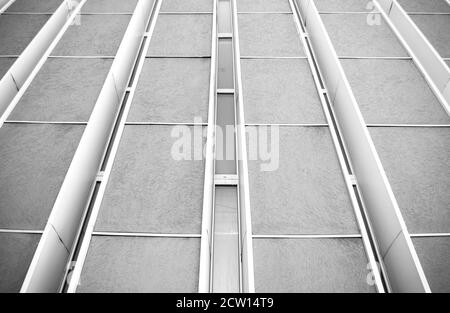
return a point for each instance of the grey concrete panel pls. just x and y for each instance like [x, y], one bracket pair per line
[434, 254]
[172, 90]
[17, 31]
[417, 163]
[269, 35]
[33, 162]
[117, 264]
[436, 29]
[448, 63]
[306, 194]
[96, 35]
[310, 265]
[344, 6]
[280, 91]
[393, 92]
[5, 64]
[41, 6]
[148, 190]
[263, 6]
[16, 253]
[108, 6]
[63, 90]
[436, 6]
[352, 35]
[182, 35]
[187, 6]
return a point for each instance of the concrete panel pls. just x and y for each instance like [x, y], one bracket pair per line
[172, 90]
[344, 6]
[5, 64]
[187, 6]
[148, 190]
[310, 265]
[393, 92]
[306, 194]
[436, 29]
[280, 91]
[434, 254]
[182, 35]
[352, 35]
[34, 161]
[16, 253]
[96, 35]
[417, 165]
[117, 264]
[63, 90]
[17, 31]
[41, 6]
[108, 6]
[435, 6]
[269, 35]
[263, 6]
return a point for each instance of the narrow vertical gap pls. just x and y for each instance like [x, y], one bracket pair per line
[81, 236]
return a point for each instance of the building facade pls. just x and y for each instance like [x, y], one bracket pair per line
[225, 146]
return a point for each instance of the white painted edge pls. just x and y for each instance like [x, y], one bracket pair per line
[204, 280]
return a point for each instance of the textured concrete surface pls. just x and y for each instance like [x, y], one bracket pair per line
[33, 162]
[393, 92]
[269, 35]
[63, 90]
[344, 6]
[117, 264]
[280, 91]
[351, 35]
[448, 63]
[148, 190]
[5, 64]
[16, 253]
[108, 6]
[187, 6]
[310, 265]
[263, 6]
[182, 35]
[434, 254]
[96, 35]
[417, 163]
[436, 6]
[172, 90]
[41, 6]
[436, 29]
[17, 31]
[306, 195]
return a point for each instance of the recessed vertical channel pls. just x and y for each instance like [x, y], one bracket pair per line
[226, 264]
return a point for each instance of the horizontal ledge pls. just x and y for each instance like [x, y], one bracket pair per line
[46, 122]
[286, 124]
[271, 57]
[375, 58]
[306, 236]
[81, 57]
[410, 125]
[20, 231]
[426, 235]
[267, 12]
[145, 235]
[178, 57]
[184, 13]
[164, 124]
[82, 13]
[428, 13]
[27, 13]
[349, 12]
